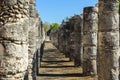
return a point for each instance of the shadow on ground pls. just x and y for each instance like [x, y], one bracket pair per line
[63, 75]
[55, 66]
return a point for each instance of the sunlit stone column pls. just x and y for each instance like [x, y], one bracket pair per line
[90, 29]
[14, 23]
[108, 40]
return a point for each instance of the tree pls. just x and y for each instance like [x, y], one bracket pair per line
[65, 20]
[54, 27]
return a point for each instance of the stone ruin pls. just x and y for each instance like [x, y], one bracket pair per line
[21, 35]
[69, 37]
[90, 31]
[92, 46]
[92, 40]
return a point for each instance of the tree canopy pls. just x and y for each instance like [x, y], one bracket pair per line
[54, 26]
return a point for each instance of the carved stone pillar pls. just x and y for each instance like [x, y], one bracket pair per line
[90, 29]
[108, 43]
[14, 23]
[33, 40]
[78, 39]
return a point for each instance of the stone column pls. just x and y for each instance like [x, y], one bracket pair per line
[71, 40]
[14, 23]
[33, 39]
[67, 36]
[108, 40]
[90, 30]
[42, 44]
[78, 39]
[119, 44]
[64, 40]
[36, 59]
[60, 42]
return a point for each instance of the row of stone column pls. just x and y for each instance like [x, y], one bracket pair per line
[69, 38]
[94, 40]
[21, 34]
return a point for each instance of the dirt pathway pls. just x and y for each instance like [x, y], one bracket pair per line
[55, 66]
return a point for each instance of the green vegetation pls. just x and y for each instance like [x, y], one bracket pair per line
[54, 27]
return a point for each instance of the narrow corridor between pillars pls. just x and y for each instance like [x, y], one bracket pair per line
[56, 66]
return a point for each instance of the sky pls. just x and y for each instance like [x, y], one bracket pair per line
[54, 11]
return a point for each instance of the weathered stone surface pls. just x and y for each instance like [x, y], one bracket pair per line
[21, 35]
[89, 59]
[87, 38]
[16, 31]
[13, 39]
[75, 50]
[54, 38]
[35, 39]
[12, 11]
[109, 38]
[33, 2]
[108, 45]
[69, 39]
[10, 2]
[13, 59]
[32, 50]
[90, 28]
[32, 11]
[2, 50]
